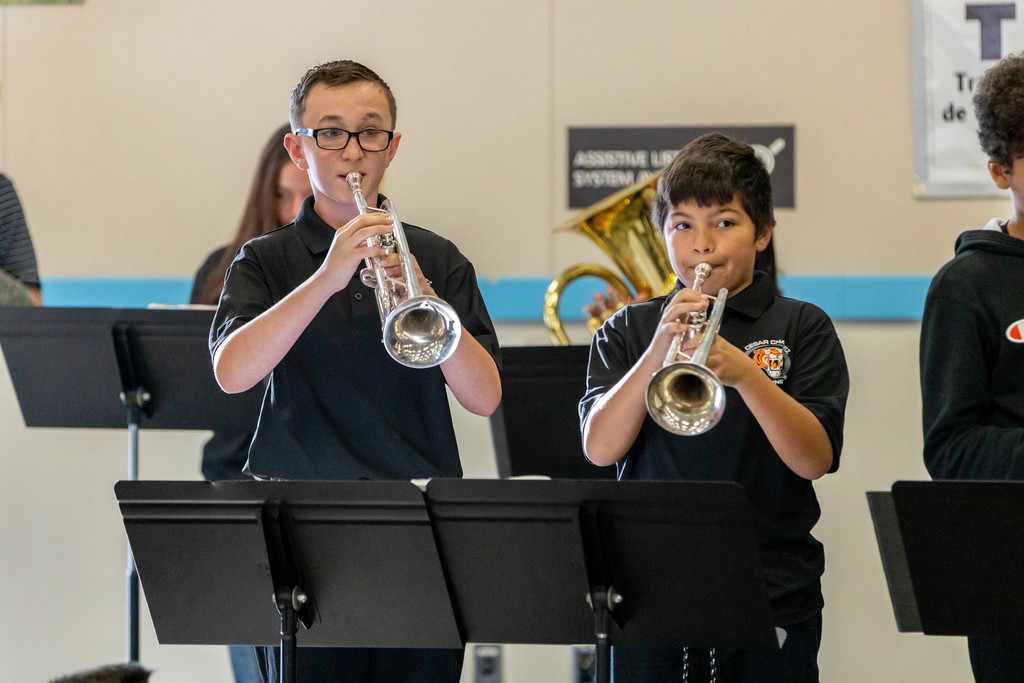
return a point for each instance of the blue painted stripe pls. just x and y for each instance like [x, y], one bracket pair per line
[115, 292]
[843, 297]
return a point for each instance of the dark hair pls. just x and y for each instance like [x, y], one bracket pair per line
[715, 169]
[999, 106]
[260, 213]
[130, 672]
[334, 74]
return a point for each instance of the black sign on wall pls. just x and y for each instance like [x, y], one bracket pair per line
[605, 160]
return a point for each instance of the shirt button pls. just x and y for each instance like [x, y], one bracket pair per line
[358, 296]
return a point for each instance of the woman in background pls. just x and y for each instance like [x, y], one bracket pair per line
[274, 200]
[277, 191]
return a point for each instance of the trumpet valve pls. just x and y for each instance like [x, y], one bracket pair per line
[368, 278]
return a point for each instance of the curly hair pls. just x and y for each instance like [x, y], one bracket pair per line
[999, 106]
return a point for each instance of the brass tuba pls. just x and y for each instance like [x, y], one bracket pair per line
[621, 225]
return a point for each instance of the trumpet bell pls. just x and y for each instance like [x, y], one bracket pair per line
[422, 332]
[685, 399]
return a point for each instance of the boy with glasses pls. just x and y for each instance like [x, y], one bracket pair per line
[293, 308]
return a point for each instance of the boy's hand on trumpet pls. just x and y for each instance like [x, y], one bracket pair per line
[349, 248]
[674, 321]
[392, 264]
[732, 366]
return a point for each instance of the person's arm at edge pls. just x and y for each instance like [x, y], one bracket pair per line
[35, 293]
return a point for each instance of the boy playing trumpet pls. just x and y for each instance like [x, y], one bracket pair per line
[293, 308]
[786, 384]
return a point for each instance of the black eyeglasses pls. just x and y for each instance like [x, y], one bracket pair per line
[370, 140]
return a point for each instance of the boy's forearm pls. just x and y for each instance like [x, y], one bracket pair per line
[615, 420]
[793, 430]
[473, 377]
[255, 349]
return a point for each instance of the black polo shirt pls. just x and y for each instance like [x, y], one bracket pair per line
[338, 406]
[796, 344]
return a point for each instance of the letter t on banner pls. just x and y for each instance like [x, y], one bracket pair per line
[955, 41]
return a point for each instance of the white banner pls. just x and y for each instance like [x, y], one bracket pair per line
[955, 41]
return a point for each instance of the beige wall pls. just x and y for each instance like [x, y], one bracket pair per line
[131, 129]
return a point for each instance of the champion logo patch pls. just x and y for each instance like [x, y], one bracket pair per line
[1015, 332]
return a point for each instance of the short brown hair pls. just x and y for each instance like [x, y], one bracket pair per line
[334, 74]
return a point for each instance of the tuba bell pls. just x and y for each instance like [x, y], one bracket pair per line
[621, 226]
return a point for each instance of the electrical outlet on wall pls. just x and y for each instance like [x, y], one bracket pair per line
[583, 663]
[487, 663]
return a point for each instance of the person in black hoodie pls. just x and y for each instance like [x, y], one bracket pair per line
[972, 338]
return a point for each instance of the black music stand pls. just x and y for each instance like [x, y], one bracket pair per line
[536, 428]
[660, 563]
[955, 567]
[355, 562]
[111, 368]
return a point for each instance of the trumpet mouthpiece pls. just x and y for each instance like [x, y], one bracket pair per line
[355, 181]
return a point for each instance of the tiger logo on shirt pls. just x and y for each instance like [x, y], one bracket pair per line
[772, 356]
[770, 360]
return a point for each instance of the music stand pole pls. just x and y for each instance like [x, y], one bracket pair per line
[603, 601]
[131, 401]
[288, 604]
[134, 398]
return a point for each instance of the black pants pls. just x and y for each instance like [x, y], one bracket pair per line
[997, 660]
[364, 665]
[795, 662]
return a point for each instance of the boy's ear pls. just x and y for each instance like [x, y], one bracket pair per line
[393, 148]
[1000, 174]
[762, 240]
[295, 151]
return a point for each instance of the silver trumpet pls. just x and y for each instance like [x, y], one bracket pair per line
[685, 397]
[420, 331]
